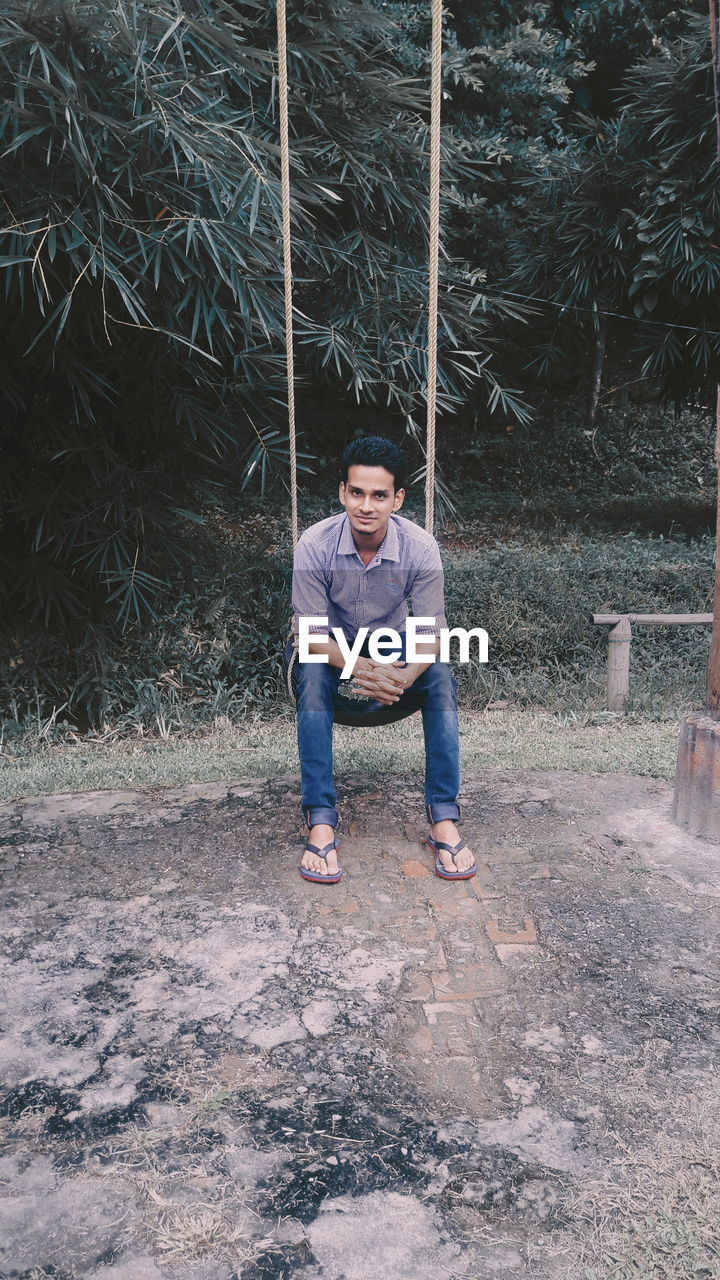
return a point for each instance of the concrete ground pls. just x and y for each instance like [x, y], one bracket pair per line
[212, 1070]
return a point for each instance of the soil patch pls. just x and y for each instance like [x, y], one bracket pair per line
[212, 1070]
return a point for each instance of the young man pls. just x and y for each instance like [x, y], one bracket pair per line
[358, 569]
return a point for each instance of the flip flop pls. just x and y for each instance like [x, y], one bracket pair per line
[321, 853]
[436, 846]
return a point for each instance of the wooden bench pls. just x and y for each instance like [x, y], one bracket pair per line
[619, 640]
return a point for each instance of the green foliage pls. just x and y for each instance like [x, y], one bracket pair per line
[142, 338]
[580, 253]
[676, 268]
[612, 36]
[217, 653]
[214, 653]
[536, 603]
[509, 77]
[516, 76]
[630, 225]
[575, 207]
[645, 469]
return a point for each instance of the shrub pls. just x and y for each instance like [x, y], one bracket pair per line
[536, 606]
[217, 652]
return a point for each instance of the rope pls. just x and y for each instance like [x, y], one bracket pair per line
[287, 258]
[434, 244]
[289, 673]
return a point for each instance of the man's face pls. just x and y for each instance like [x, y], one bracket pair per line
[369, 498]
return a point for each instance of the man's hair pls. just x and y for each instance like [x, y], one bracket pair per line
[375, 451]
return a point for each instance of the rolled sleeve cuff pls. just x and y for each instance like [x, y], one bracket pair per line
[320, 632]
[315, 629]
[433, 629]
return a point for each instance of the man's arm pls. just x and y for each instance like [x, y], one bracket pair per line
[428, 600]
[310, 600]
[309, 587]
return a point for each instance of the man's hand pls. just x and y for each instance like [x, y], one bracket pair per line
[384, 681]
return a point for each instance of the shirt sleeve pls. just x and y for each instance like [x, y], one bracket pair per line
[428, 592]
[309, 588]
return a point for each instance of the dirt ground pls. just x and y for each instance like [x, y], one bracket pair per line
[212, 1070]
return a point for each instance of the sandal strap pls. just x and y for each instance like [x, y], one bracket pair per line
[450, 848]
[321, 853]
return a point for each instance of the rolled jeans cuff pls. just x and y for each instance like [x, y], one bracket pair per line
[318, 815]
[445, 812]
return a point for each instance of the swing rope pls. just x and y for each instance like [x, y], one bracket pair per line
[433, 246]
[287, 259]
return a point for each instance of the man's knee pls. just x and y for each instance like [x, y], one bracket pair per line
[313, 683]
[438, 679]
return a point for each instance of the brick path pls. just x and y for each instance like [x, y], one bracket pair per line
[466, 935]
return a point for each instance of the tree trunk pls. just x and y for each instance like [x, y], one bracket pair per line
[714, 30]
[712, 698]
[598, 366]
[696, 803]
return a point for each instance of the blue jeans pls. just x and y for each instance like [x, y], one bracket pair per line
[319, 705]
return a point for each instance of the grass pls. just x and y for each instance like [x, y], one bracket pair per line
[507, 739]
[660, 1219]
[195, 1232]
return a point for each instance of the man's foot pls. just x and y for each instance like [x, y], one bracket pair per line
[449, 834]
[320, 836]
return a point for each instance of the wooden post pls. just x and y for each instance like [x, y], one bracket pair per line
[652, 619]
[618, 672]
[618, 676]
[696, 802]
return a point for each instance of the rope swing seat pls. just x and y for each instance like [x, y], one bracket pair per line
[357, 710]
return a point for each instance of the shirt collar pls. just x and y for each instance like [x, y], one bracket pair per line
[388, 549]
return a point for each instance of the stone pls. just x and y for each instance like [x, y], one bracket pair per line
[269, 1035]
[68, 1230]
[184, 1038]
[164, 1115]
[420, 987]
[515, 953]
[421, 1041]
[536, 1136]
[383, 1234]
[137, 1267]
[247, 1166]
[434, 1009]
[318, 1016]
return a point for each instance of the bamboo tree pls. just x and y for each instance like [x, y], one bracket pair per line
[142, 328]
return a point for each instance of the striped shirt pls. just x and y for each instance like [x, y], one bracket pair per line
[331, 581]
